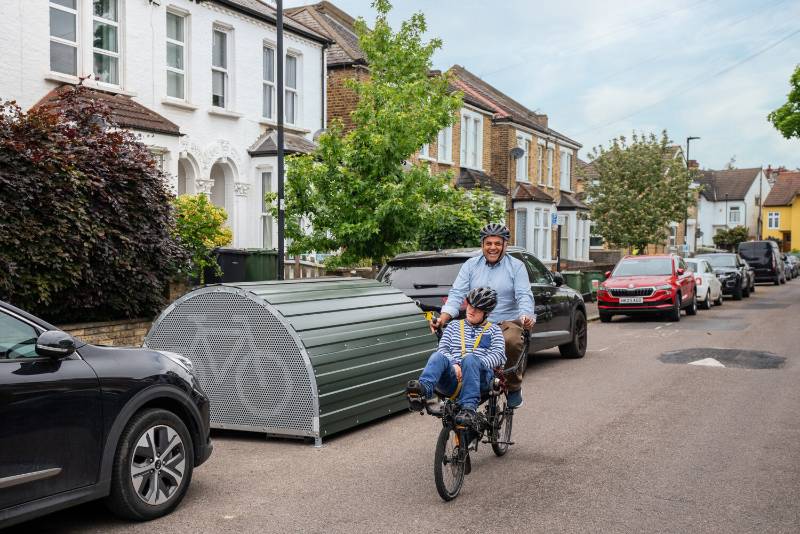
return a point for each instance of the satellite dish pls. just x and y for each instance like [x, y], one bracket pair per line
[517, 153]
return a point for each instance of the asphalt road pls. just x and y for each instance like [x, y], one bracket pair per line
[615, 442]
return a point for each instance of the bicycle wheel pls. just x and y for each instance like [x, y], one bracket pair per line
[501, 429]
[448, 468]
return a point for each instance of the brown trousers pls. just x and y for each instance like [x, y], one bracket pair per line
[512, 333]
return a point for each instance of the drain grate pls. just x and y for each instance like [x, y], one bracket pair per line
[738, 358]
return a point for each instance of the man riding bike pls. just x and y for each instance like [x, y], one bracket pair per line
[463, 364]
[515, 307]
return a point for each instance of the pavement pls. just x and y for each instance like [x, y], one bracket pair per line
[627, 439]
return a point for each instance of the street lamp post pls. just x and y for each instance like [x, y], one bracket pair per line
[281, 202]
[686, 216]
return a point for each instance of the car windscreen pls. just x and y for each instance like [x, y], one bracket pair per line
[721, 260]
[421, 274]
[644, 267]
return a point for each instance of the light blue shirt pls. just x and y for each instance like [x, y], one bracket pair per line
[508, 277]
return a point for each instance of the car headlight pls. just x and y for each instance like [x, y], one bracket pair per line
[664, 286]
[180, 359]
[724, 276]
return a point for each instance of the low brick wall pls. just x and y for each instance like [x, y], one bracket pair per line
[126, 333]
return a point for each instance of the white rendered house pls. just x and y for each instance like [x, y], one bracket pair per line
[195, 79]
[730, 198]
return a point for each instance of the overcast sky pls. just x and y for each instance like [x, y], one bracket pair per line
[706, 68]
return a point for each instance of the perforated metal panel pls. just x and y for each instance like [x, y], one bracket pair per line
[254, 370]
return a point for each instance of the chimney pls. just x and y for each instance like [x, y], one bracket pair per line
[693, 164]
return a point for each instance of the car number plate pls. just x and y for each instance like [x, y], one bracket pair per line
[631, 300]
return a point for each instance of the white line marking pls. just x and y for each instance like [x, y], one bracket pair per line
[709, 362]
[598, 350]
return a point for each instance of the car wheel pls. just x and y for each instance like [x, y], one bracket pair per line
[718, 302]
[152, 467]
[707, 302]
[577, 347]
[692, 309]
[783, 280]
[777, 280]
[746, 292]
[605, 317]
[753, 285]
[737, 293]
[675, 314]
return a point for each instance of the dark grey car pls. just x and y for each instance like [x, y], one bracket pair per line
[560, 311]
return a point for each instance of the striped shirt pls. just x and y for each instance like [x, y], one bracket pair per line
[491, 350]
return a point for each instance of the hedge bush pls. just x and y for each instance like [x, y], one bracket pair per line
[200, 226]
[85, 215]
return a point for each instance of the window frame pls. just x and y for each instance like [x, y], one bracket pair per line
[185, 46]
[523, 242]
[523, 164]
[294, 91]
[565, 178]
[776, 219]
[540, 149]
[117, 24]
[550, 157]
[266, 216]
[738, 211]
[226, 85]
[271, 84]
[476, 120]
[76, 45]
[445, 139]
[38, 330]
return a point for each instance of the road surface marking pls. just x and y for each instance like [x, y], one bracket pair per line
[708, 362]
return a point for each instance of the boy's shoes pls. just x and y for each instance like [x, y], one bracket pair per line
[515, 399]
[467, 417]
[415, 393]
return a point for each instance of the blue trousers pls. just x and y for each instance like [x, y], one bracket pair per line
[439, 374]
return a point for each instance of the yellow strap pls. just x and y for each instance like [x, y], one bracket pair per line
[477, 339]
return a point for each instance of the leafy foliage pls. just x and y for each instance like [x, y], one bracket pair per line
[357, 194]
[200, 226]
[730, 238]
[641, 187]
[85, 214]
[457, 220]
[786, 118]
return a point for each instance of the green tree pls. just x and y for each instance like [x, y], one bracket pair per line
[457, 220]
[200, 227]
[639, 189]
[356, 194]
[730, 238]
[786, 118]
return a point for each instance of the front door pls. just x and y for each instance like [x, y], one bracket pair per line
[50, 418]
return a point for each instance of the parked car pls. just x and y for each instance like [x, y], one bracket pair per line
[560, 311]
[765, 258]
[751, 273]
[658, 284]
[794, 261]
[733, 274]
[83, 422]
[787, 267]
[709, 288]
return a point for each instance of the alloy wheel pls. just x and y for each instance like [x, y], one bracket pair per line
[158, 464]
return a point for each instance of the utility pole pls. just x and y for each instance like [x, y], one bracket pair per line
[686, 216]
[281, 201]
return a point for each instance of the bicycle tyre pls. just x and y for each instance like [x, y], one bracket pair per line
[501, 429]
[449, 476]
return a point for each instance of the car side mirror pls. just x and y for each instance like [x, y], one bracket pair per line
[680, 271]
[608, 274]
[558, 279]
[55, 344]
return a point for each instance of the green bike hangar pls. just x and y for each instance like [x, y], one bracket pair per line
[304, 358]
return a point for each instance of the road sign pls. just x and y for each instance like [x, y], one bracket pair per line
[554, 219]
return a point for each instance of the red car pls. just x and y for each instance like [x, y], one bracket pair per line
[659, 284]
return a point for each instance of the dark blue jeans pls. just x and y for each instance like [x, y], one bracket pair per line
[439, 374]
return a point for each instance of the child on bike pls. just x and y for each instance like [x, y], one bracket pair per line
[462, 365]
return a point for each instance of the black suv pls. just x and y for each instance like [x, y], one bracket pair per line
[733, 273]
[80, 422]
[560, 311]
[765, 259]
